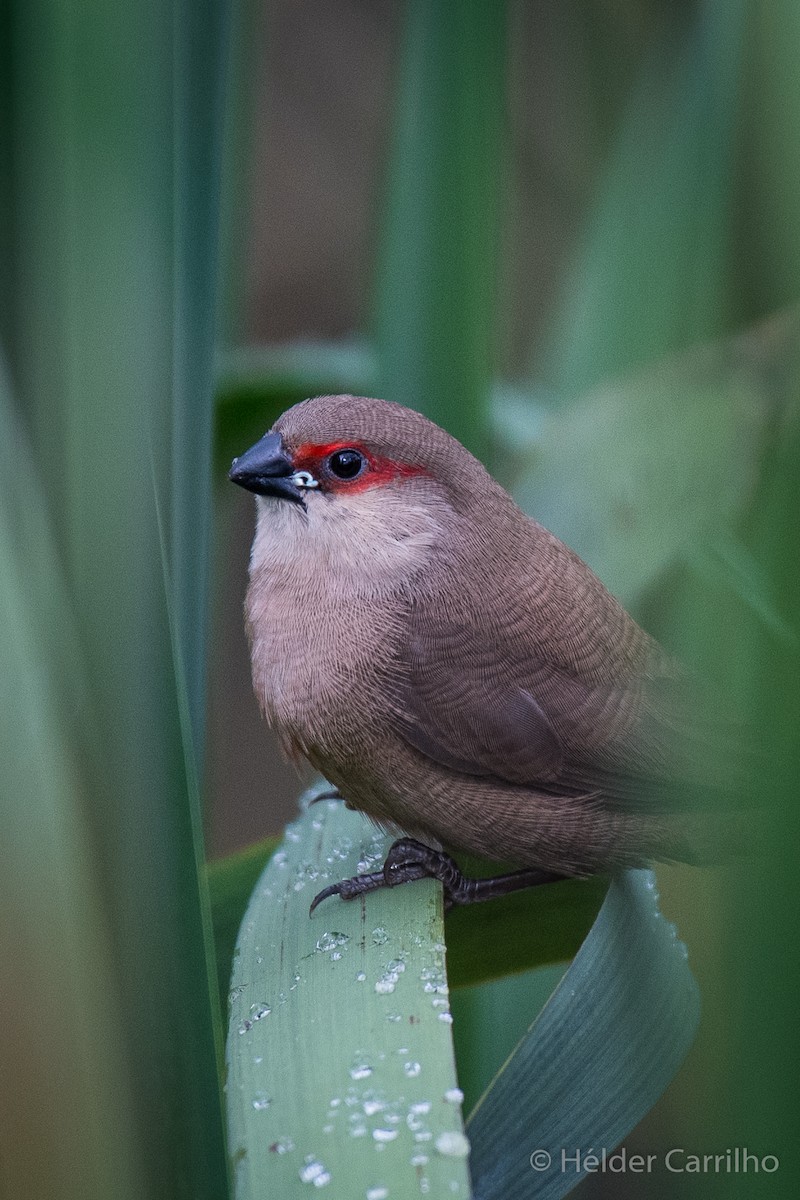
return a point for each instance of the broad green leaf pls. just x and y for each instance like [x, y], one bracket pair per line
[484, 941]
[600, 1054]
[653, 272]
[112, 188]
[437, 262]
[318, 1081]
[230, 885]
[516, 933]
[256, 384]
[200, 39]
[488, 1021]
[340, 1058]
[635, 474]
[66, 1103]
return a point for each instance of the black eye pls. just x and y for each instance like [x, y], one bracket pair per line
[346, 464]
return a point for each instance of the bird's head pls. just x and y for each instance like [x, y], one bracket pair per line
[338, 447]
[364, 479]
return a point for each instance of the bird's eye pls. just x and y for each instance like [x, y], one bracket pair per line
[346, 464]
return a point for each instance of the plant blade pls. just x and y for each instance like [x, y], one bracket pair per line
[600, 1054]
[340, 1058]
[515, 933]
[437, 267]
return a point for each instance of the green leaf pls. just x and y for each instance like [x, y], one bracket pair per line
[515, 933]
[66, 1110]
[637, 473]
[653, 272]
[437, 265]
[340, 1059]
[318, 1076]
[230, 884]
[484, 941]
[600, 1054]
[255, 385]
[112, 188]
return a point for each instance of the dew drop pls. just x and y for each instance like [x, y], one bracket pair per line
[433, 980]
[261, 1101]
[454, 1095]
[360, 1069]
[314, 1172]
[377, 1193]
[379, 936]
[329, 943]
[384, 1135]
[411, 1069]
[340, 849]
[283, 1145]
[452, 1144]
[419, 1159]
[361, 976]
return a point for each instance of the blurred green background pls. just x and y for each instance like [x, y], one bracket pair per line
[571, 233]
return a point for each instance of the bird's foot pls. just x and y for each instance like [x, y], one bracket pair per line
[409, 859]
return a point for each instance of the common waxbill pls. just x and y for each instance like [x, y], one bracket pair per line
[448, 664]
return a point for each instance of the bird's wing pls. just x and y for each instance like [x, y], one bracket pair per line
[486, 704]
[489, 702]
[459, 713]
[554, 686]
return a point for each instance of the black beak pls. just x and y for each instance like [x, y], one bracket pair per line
[267, 470]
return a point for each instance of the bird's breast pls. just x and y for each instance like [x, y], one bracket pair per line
[322, 660]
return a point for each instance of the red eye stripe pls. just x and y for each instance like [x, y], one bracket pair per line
[311, 457]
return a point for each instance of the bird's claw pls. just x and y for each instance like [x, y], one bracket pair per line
[409, 859]
[348, 889]
[331, 793]
[406, 861]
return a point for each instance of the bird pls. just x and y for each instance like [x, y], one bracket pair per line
[452, 668]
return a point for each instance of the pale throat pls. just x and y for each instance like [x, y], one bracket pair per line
[369, 542]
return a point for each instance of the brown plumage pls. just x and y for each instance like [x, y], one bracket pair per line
[452, 667]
